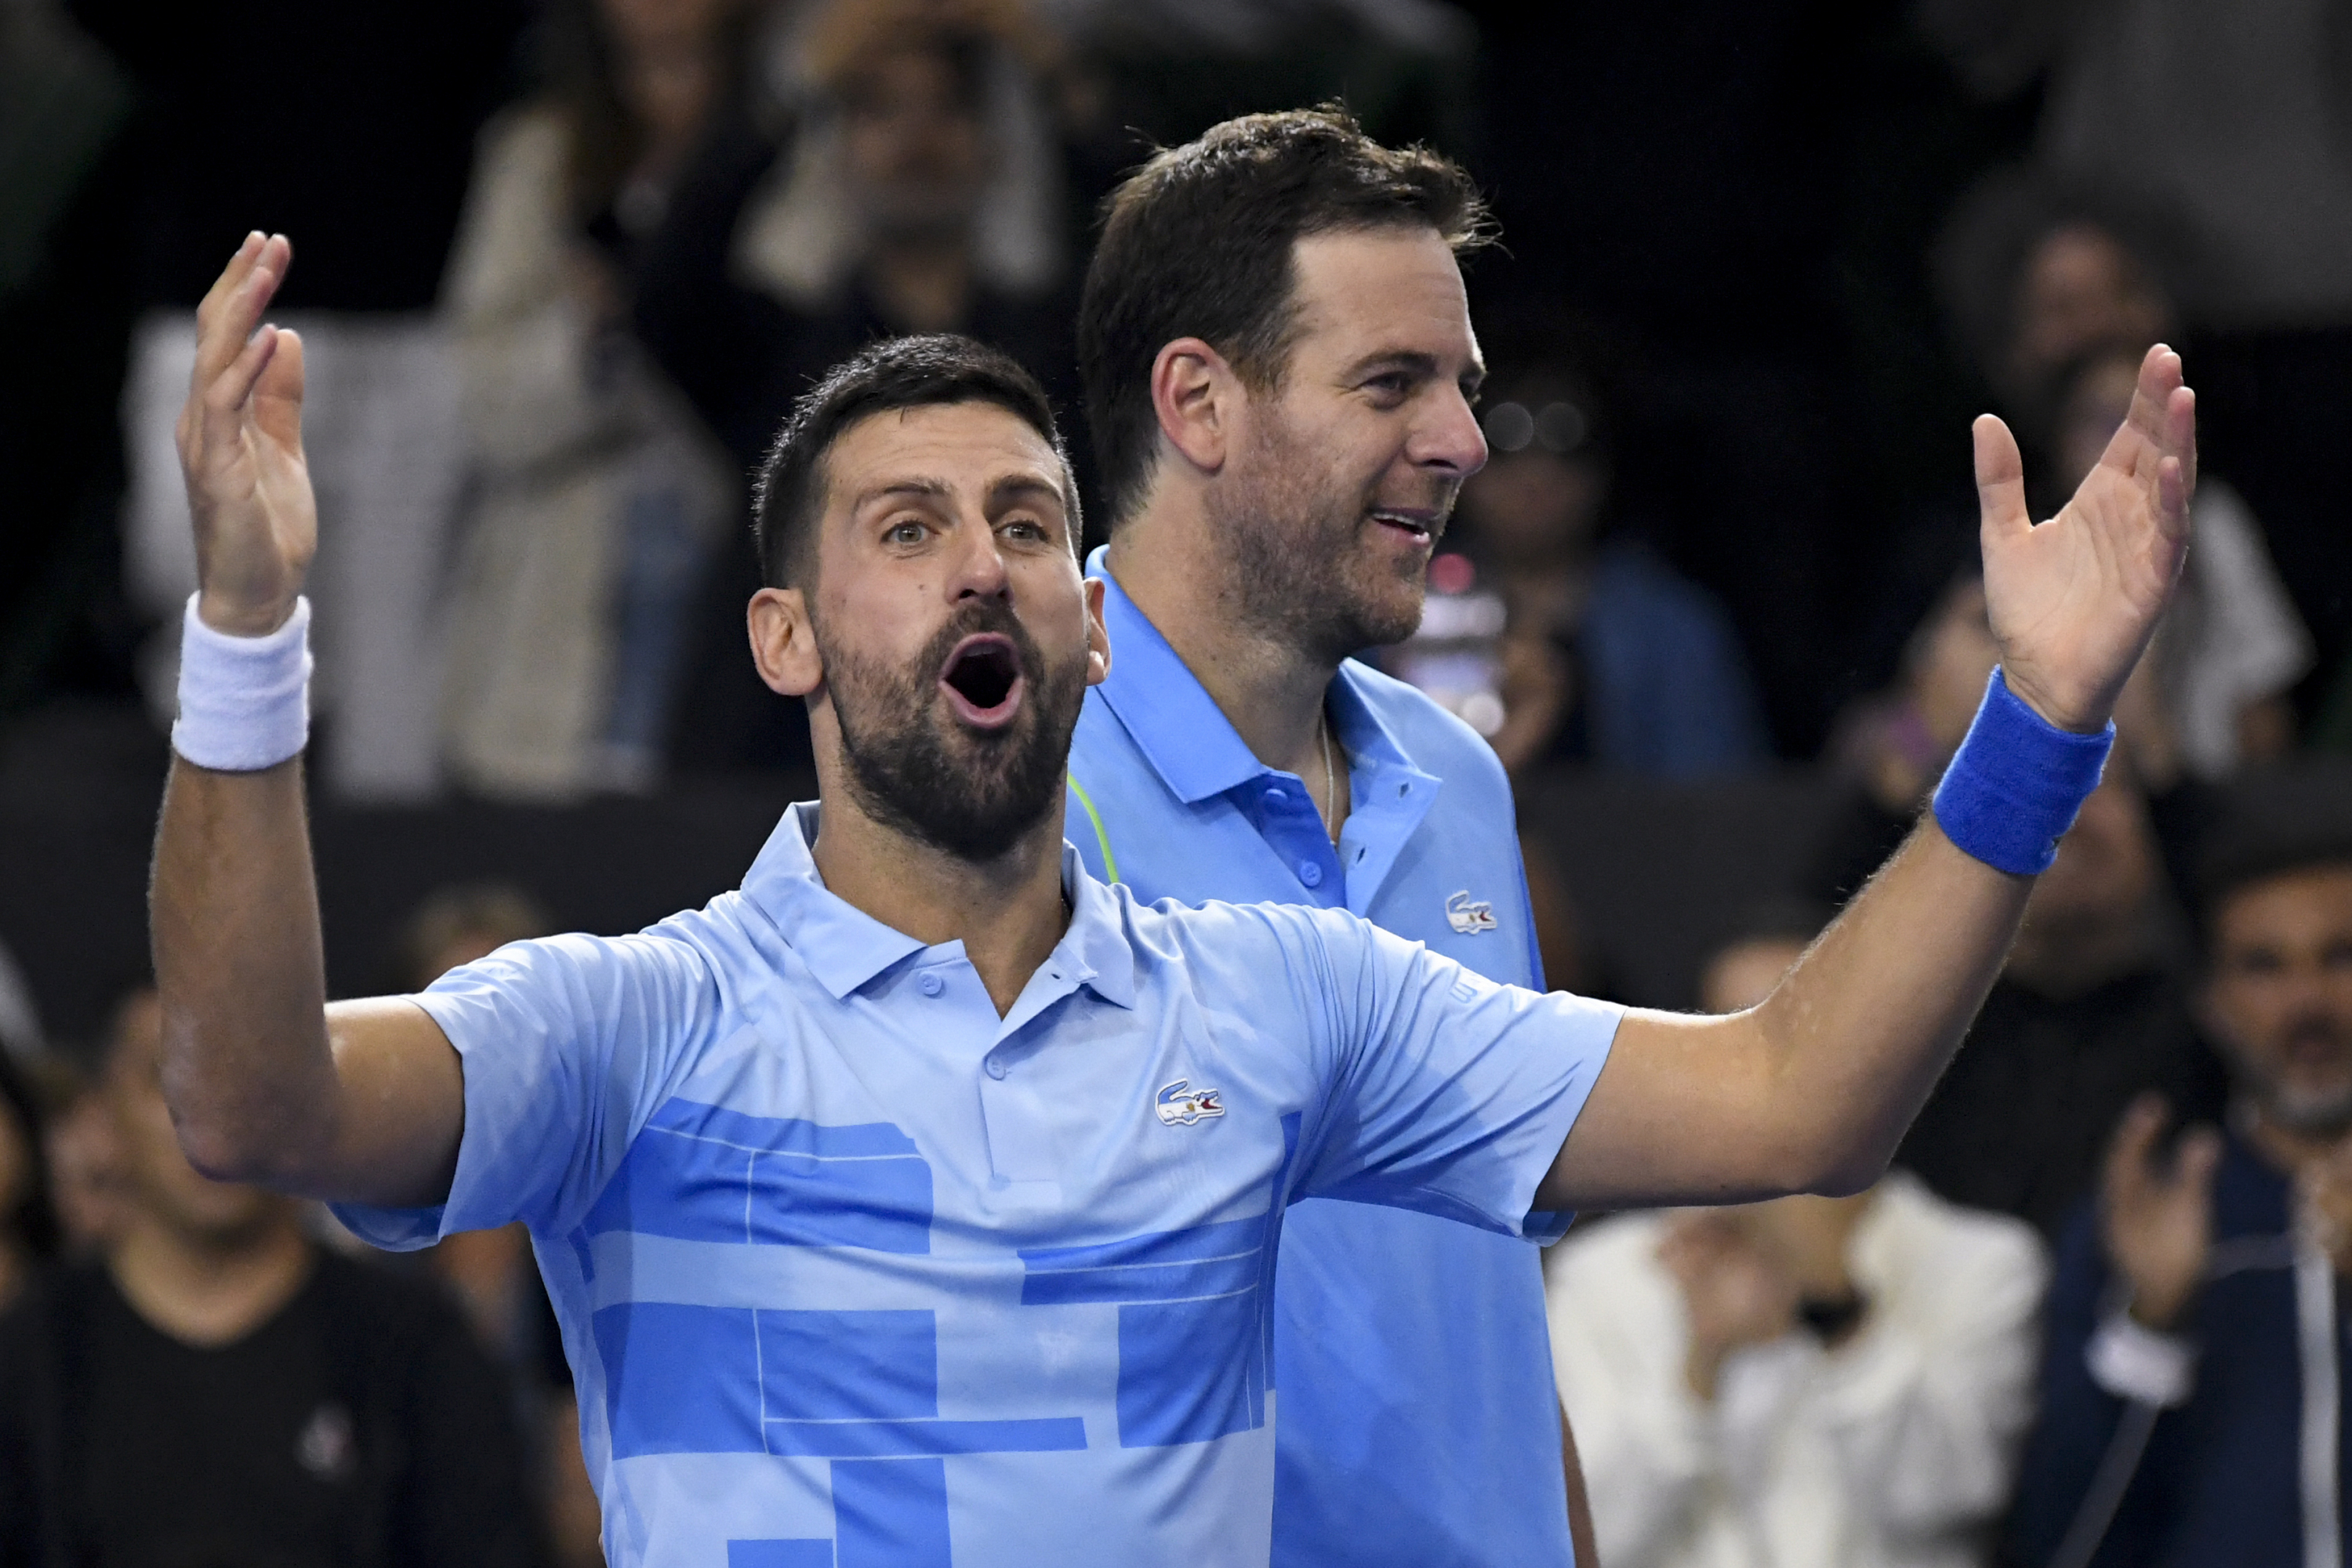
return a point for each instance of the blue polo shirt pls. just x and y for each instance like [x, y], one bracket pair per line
[1419, 1423]
[852, 1271]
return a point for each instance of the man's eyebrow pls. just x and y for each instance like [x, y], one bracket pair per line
[1013, 485]
[1419, 365]
[909, 487]
[1414, 361]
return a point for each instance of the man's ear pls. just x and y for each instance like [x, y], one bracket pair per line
[1197, 396]
[1097, 635]
[783, 642]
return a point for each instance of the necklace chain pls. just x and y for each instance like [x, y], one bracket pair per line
[1330, 777]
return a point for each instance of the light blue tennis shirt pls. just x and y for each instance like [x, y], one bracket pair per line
[852, 1271]
[1419, 1423]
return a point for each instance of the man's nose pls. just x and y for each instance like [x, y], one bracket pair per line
[979, 570]
[1448, 437]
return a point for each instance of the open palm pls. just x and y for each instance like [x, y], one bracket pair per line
[2074, 600]
[240, 438]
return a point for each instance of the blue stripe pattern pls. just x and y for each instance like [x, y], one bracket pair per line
[884, 1515]
[1191, 1361]
[702, 1172]
[737, 1380]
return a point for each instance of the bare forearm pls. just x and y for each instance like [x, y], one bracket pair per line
[235, 914]
[1812, 1090]
[1864, 1026]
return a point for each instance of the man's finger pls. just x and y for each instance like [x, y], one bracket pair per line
[231, 276]
[2147, 431]
[226, 334]
[2000, 480]
[225, 398]
[2201, 1154]
[2135, 1141]
[277, 390]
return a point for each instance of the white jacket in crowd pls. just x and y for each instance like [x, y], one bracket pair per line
[1895, 1451]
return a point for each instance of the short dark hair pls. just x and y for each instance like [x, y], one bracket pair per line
[894, 373]
[1200, 241]
[2273, 822]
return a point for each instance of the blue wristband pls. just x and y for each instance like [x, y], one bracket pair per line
[2016, 783]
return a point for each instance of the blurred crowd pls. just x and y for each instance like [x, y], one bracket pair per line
[562, 267]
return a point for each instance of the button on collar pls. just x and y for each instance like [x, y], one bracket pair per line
[931, 985]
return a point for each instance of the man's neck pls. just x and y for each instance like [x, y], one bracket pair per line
[2286, 1148]
[209, 1292]
[1270, 690]
[1009, 911]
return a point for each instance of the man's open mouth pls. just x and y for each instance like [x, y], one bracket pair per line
[1417, 525]
[982, 680]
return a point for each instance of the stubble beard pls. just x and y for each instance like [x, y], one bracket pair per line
[969, 794]
[2306, 1111]
[1295, 571]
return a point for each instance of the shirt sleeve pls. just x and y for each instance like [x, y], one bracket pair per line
[1446, 1092]
[567, 1045]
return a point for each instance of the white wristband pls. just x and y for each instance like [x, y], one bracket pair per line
[245, 702]
[2134, 1362]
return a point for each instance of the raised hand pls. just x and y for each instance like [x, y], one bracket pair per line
[240, 437]
[2074, 600]
[2157, 1215]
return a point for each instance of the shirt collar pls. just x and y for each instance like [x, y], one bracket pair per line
[1174, 722]
[844, 947]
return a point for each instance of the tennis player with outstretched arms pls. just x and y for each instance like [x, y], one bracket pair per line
[917, 1202]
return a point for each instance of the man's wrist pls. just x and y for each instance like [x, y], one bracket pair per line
[244, 702]
[2131, 1361]
[2055, 714]
[2013, 789]
[234, 619]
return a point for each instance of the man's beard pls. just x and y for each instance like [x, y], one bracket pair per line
[2298, 1108]
[971, 794]
[1293, 544]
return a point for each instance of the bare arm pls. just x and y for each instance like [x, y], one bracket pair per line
[364, 1101]
[1812, 1089]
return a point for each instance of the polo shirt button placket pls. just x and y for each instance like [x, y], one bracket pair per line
[1311, 873]
[993, 1067]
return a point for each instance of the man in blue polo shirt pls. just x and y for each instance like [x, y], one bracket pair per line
[1284, 420]
[919, 1203]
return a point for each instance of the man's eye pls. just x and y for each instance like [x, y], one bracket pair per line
[907, 533]
[1025, 527]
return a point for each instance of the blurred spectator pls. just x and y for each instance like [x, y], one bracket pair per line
[2092, 1009]
[595, 498]
[2040, 270]
[85, 1169]
[361, 158]
[1825, 1381]
[220, 1391]
[490, 1271]
[1609, 656]
[1894, 745]
[2230, 115]
[919, 192]
[2194, 1378]
[29, 1226]
[2231, 645]
[2035, 274]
